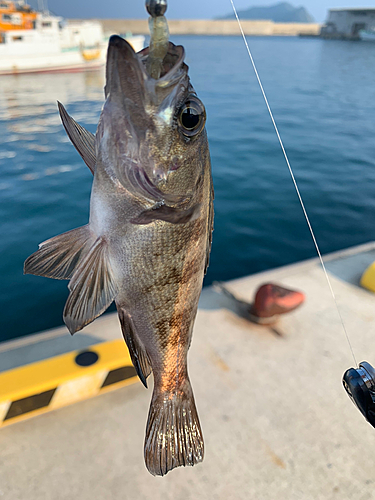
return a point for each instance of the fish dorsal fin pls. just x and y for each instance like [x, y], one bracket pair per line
[82, 139]
[137, 351]
[59, 256]
[92, 288]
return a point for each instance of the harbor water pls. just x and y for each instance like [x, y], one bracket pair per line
[323, 97]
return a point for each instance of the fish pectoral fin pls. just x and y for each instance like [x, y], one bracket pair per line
[92, 288]
[82, 139]
[137, 351]
[168, 214]
[59, 256]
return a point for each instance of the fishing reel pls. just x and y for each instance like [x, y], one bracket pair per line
[359, 383]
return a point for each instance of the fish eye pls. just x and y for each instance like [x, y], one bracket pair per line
[191, 116]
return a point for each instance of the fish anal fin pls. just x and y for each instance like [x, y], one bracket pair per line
[59, 256]
[82, 139]
[137, 351]
[92, 288]
[168, 214]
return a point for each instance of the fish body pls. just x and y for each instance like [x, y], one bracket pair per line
[148, 240]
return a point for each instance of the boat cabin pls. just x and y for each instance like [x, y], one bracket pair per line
[16, 16]
[43, 37]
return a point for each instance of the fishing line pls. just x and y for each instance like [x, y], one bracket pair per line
[294, 180]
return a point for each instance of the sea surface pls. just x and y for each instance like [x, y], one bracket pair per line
[323, 97]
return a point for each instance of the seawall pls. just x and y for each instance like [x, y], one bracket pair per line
[212, 27]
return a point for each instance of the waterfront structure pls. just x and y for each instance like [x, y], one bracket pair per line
[348, 23]
[213, 27]
[37, 41]
[16, 16]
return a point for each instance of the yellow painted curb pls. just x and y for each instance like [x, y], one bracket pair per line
[368, 278]
[62, 380]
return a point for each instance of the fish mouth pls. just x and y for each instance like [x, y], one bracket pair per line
[135, 92]
[173, 63]
[126, 69]
[124, 73]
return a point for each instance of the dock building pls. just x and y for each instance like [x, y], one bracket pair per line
[347, 23]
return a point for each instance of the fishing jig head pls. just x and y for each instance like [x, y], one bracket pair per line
[156, 8]
[359, 383]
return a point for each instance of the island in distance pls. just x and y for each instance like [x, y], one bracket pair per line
[282, 12]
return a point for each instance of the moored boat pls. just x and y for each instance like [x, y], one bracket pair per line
[33, 41]
[367, 35]
[16, 15]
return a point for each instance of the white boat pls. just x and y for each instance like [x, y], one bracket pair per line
[367, 35]
[50, 44]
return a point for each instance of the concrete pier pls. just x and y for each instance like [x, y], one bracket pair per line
[276, 420]
[212, 27]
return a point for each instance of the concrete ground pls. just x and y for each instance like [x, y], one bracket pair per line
[276, 420]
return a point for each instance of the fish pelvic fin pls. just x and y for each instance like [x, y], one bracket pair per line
[137, 351]
[173, 433]
[58, 257]
[82, 139]
[92, 288]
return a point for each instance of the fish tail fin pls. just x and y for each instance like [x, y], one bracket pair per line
[173, 434]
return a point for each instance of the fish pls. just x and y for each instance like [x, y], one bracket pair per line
[148, 240]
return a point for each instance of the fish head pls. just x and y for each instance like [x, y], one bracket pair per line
[151, 133]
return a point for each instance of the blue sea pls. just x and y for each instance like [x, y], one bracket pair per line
[323, 97]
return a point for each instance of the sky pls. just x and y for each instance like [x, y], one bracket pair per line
[187, 9]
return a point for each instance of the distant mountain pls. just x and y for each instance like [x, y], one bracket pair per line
[282, 12]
